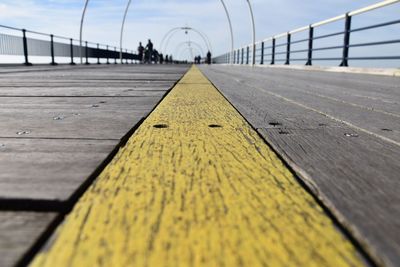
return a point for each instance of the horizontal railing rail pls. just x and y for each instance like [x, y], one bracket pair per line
[269, 51]
[27, 43]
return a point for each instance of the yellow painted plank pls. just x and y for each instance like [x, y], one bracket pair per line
[187, 194]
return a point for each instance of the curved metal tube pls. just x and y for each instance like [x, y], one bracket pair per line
[189, 43]
[122, 30]
[202, 35]
[254, 32]
[186, 49]
[231, 30]
[81, 29]
[166, 35]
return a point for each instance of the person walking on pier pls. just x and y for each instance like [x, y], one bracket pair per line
[140, 52]
[149, 48]
[209, 58]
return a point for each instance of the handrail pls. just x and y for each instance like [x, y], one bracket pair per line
[334, 19]
[241, 54]
[28, 46]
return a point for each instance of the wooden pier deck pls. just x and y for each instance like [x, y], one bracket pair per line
[58, 127]
[100, 166]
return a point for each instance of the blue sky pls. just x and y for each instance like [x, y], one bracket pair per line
[153, 18]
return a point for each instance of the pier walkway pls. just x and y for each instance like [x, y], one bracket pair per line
[176, 165]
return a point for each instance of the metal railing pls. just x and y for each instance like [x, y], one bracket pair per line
[273, 50]
[53, 46]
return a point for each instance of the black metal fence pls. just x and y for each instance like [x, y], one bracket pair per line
[22, 43]
[285, 49]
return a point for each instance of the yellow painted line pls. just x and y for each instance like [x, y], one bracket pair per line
[194, 195]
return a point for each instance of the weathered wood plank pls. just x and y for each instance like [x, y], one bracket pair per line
[70, 119]
[48, 169]
[92, 91]
[18, 232]
[77, 117]
[196, 186]
[355, 173]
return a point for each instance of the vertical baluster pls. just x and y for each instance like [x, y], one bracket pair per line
[247, 55]
[310, 46]
[273, 51]
[98, 54]
[108, 55]
[53, 62]
[346, 45]
[87, 53]
[71, 51]
[289, 38]
[262, 53]
[25, 44]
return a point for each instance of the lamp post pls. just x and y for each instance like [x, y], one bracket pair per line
[231, 30]
[254, 33]
[122, 29]
[80, 32]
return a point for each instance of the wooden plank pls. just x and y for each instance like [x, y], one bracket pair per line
[45, 169]
[196, 186]
[92, 91]
[355, 173]
[18, 232]
[77, 117]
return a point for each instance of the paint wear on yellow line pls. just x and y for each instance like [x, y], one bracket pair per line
[199, 189]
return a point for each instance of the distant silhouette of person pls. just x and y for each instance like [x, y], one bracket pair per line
[149, 48]
[161, 58]
[140, 52]
[166, 59]
[208, 57]
[156, 56]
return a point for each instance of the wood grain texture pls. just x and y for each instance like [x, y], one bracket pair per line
[196, 186]
[56, 130]
[358, 177]
[69, 120]
[48, 169]
[18, 231]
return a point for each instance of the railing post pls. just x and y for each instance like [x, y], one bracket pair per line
[98, 54]
[53, 62]
[108, 55]
[247, 55]
[238, 56]
[346, 45]
[25, 44]
[115, 55]
[289, 39]
[71, 51]
[262, 53]
[310, 46]
[87, 53]
[126, 60]
[273, 51]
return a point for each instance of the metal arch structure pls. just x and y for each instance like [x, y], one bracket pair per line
[254, 32]
[124, 19]
[189, 43]
[122, 30]
[81, 29]
[231, 31]
[186, 49]
[173, 31]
